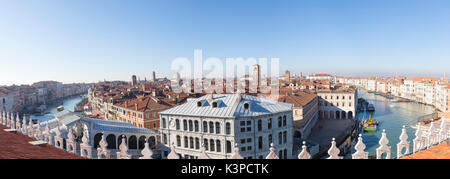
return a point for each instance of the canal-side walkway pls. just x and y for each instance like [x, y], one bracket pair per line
[325, 130]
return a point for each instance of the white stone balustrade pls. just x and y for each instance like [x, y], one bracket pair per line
[123, 153]
[360, 147]
[304, 154]
[403, 144]
[384, 148]
[272, 154]
[146, 152]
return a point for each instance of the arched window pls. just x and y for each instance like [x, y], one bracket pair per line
[280, 154]
[279, 121]
[132, 142]
[177, 124]
[211, 127]
[196, 126]
[186, 142]
[284, 120]
[199, 104]
[269, 123]
[197, 143]
[280, 138]
[211, 145]
[246, 106]
[205, 142]
[191, 127]
[228, 147]
[178, 141]
[205, 127]
[260, 142]
[285, 154]
[191, 142]
[259, 125]
[214, 104]
[218, 146]
[228, 128]
[163, 122]
[185, 126]
[284, 137]
[165, 138]
[217, 128]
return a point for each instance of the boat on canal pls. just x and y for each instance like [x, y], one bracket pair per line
[370, 125]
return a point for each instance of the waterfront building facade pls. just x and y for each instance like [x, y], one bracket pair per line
[220, 121]
[305, 112]
[337, 104]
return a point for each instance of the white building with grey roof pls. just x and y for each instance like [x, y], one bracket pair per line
[219, 121]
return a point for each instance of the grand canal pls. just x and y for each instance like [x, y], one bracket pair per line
[391, 116]
[68, 104]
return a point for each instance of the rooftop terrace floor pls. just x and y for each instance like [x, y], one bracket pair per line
[15, 146]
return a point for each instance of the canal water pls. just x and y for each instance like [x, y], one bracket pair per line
[49, 113]
[391, 116]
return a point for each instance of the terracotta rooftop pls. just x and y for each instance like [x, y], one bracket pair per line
[440, 151]
[299, 99]
[16, 146]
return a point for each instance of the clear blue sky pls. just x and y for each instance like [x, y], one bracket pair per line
[92, 40]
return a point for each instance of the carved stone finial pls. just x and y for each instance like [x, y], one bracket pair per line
[173, 154]
[333, 152]
[403, 143]
[304, 154]
[272, 154]
[236, 154]
[103, 144]
[146, 152]
[359, 147]
[384, 148]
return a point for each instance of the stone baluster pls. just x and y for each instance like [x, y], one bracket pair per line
[443, 131]
[38, 132]
[146, 152]
[8, 120]
[173, 154]
[3, 118]
[237, 154]
[103, 148]
[85, 147]
[30, 127]
[123, 150]
[12, 123]
[70, 142]
[431, 134]
[24, 126]
[47, 134]
[384, 148]
[272, 154]
[304, 154]
[418, 142]
[18, 123]
[58, 138]
[403, 144]
[360, 147]
[204, 155]
[333, 152]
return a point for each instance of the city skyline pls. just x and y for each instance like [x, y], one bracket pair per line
[86, 41]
